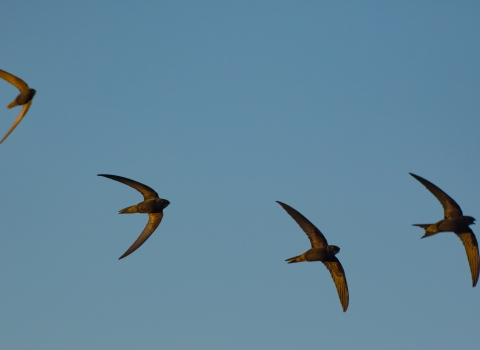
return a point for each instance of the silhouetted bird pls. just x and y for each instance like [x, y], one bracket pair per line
[320, 251]
[153, 205]
[24, 98]
[454, 221]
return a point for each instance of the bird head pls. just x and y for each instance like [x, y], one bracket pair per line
[470, 220]
[165, 203]
[31, 93]
[333, 249]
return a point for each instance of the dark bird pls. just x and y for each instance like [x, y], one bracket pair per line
[24, 98]
[454, 221]
[153, 205]
[320, 251]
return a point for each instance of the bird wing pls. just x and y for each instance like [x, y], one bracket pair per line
[317, 239]
[154, 220]
[24, 111]
[147, 192]
[338, 275]
[471, 248]
[15, 81]
[450, 207]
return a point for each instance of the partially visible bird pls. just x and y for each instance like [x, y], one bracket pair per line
[320, 251]
[456, 222]
[24, 98]
[153, 205]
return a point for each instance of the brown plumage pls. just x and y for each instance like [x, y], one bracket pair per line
[153, 205]
[320, 251]
[454, 221]
[24, 98]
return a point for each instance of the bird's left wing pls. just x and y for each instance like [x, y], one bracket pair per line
[338, 275]
[154, 220]
[24, 111]
[471, 248]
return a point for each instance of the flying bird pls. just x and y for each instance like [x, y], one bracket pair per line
[456, 222]
[320, 251]
[153, 205]
[24, 98]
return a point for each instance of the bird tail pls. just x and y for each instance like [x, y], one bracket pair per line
[296, 259]
[129, 210]
[422, 225]
[12, 104]
[428, 232]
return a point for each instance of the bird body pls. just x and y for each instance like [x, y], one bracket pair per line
[447, 225]
[317, 254]
[155, 205]
[22, 98]
[454, 221]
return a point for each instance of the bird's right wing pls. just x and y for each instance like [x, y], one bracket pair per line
[317, 239]
[15, 81]
[154, 220]
[471, 248]
[338, 275]
[147, 192]
[24, 111]
[450, 207]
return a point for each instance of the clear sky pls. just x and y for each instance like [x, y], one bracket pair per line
[223, 108]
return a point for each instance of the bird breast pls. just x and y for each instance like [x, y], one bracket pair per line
[453, 224]
[25, 96]
[317, 254]
[154, 205]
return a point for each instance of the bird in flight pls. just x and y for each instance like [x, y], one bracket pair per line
[320, 251]
[453, 221]
[153, 205]
[24, 98]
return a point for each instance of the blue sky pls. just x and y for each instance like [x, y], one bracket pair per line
[224, 108]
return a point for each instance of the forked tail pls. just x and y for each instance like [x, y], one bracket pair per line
[422, 225]
[12, 104]
[129, 210]
[428, 232]
[296, 259]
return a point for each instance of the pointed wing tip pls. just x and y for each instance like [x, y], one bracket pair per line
[416, 176]
[127, 253]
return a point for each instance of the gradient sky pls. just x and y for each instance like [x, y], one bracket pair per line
[223, 108]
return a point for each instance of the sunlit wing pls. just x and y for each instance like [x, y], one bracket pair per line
[451, 208]
[147, 192]
[338, 275]
[24, 111]
[15, 81]
[471, 248]
[154, 220]
[317, 239]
